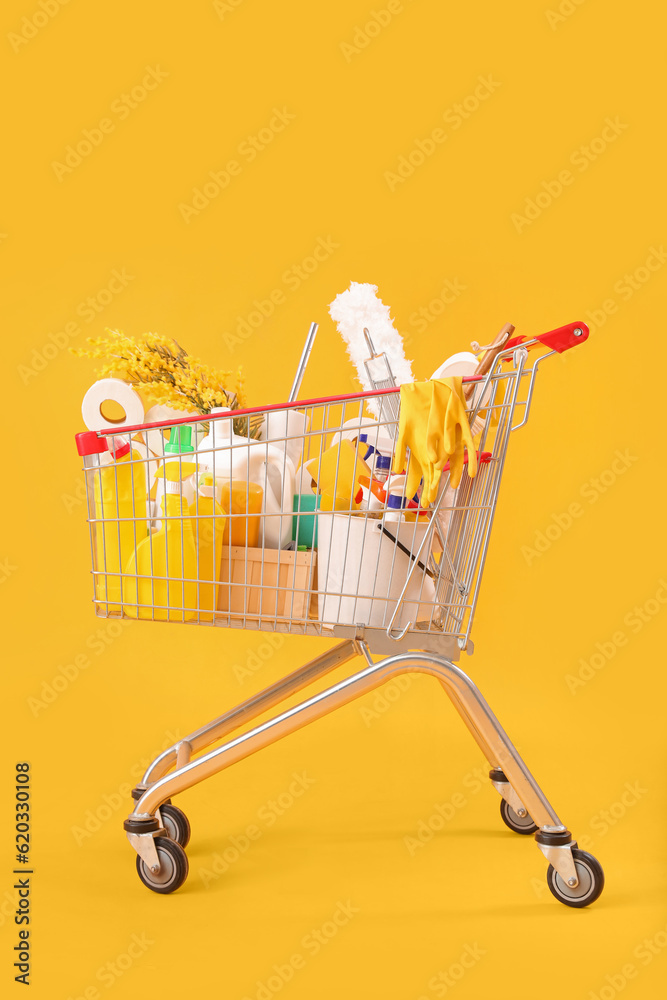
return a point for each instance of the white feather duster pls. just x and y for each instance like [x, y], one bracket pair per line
[360, 307]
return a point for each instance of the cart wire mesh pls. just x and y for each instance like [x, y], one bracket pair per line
[236, 536]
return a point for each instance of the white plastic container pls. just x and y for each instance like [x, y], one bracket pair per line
[286, 429]
[230, 456]
[361, 572]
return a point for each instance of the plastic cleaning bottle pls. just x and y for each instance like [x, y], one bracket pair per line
[179, 463]
[243, 502]
[161, 579]
[247, 465]
[400, 507]
[209, 526]
[119, 505]
[337, 473]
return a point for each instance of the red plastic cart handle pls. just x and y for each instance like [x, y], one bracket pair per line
[558, 340]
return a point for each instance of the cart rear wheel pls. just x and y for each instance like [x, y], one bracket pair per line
[176, 824]
[591, 881]
[173, 867]
[519, 824]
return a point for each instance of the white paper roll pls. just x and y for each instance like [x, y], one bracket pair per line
[111, 389]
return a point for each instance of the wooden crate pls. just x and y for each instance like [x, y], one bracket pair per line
[266, 583]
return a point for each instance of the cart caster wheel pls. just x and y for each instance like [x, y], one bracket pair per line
[591, 881]
[519, 824]
[176, 824]
[173, 867]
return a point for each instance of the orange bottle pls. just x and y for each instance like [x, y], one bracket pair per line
[243, 502]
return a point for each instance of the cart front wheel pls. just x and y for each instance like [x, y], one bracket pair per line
[176, 824]
[519, 824]
[591, 881]
[173, 867]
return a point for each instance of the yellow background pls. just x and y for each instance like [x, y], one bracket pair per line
[376, 776]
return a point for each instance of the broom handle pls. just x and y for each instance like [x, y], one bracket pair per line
[490, 356]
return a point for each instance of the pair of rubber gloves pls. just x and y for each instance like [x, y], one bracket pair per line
[433, 424]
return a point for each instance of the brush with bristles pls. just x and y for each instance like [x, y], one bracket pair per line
[364, 323]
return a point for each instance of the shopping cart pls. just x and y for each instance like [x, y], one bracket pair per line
[404, 586]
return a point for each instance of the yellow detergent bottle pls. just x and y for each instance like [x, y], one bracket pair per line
[337, 474]
[209, 525]
[161, 578]
[119, 490]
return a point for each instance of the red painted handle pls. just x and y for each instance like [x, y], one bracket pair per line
[559, 340]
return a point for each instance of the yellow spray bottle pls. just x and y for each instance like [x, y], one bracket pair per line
[179, 461]
[209, 525]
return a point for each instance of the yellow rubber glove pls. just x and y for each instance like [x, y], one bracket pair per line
[433, 424]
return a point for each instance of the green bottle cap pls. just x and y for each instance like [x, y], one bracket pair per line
[180, 440]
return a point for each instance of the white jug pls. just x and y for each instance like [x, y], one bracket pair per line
[231, 456]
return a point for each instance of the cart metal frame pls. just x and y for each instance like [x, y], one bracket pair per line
[158, 831]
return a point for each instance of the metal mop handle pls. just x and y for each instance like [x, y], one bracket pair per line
[298, 378]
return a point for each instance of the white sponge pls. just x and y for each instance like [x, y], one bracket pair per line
[360, 307]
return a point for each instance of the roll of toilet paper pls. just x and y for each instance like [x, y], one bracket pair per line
[111, 390]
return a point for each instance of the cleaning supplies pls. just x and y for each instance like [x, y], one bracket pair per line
[337, 474]
[434, 426]
[374, 494]
[304, 522]
[243, 502]
[119, 500]
[179, 463]
[355, 309]
[161, 575]
[233, 458]
[209, 526]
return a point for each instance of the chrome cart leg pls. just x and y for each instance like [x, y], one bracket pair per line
[180, 753]
[574, 877]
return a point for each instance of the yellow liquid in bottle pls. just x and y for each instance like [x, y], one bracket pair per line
[243, 502]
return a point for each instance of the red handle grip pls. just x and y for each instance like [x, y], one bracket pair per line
[559, 340]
